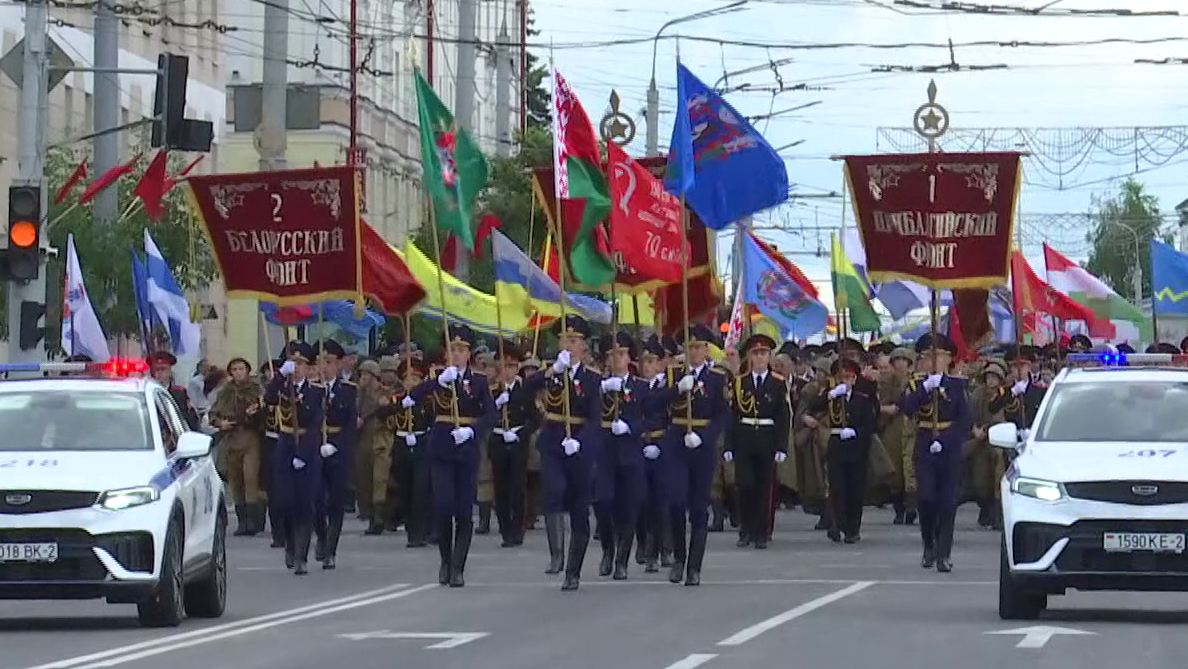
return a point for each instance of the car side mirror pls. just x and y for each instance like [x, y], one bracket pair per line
[192, 445]
[1004, 435]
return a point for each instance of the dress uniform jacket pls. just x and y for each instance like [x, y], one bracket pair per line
[689, 471]
[342, 429]
[619, 476]
[410, 468]
[300, 411]
[509, 460]
[948, 421]
[759, 430]
[847, 459]
[1021, 409]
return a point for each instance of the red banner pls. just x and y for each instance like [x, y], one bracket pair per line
[645, 220]
[941, 219]
[289, 237]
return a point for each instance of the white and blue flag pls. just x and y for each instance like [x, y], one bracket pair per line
[168, 301]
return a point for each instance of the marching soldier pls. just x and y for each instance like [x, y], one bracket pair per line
[236, 413]
[698, 395]
[297, 462]
[898, 434]
[411, 426]
[482, 361]
[337, 451]
[507, 447]
[161, 366]
[651, 532]
[1021, 403]
[464, 412]
[758, 439]
[269, 370]
[986, 466]
[938, 401]
[532, 493]
[566, 469]
[850, 421]
[620, 480]
[373, 449]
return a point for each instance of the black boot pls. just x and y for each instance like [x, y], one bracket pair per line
[944, 540]
[677, 573]
[928, 536]
[652, 554]
[622, 551]
[243, 516]
[375, 527]
[301, 537]
[900, 511]
[484, 513]
[320, 532]
[288, 541]
[642, 530]
[333, 534]
[445, 549]
[606, 537]
[665, 541]
[462, 536]
[696, 555]
[555, 532]
[909, 513]
[577, 555]
[278, 529]
[718, 517]
[984, 511]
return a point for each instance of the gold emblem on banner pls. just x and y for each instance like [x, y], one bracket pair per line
[931, 119]
[616, 126]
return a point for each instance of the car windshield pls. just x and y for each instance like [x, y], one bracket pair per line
[58, 420]
[1150, 411]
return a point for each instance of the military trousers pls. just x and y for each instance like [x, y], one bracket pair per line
[754, 471]
[243, 449]
[373, 468]
[295, 491]
[847, 470]
[509, 472]
[411, 467]
[938, 475]
[567, 482]
[688, 475]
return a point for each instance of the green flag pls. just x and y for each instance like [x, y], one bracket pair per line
[850, 291]
[454, 169]
[586, 262]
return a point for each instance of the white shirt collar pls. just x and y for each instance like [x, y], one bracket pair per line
[759, 377]
[696, 371]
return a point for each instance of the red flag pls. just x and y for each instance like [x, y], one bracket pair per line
[79, 173]
[294, 315]
[152, 187]
[449, 254]
[1031, 295]
[973, 325]
[487, 223]
[645, 220]
[106, 179]
[386, 279]
[957, 335]
[172, 181]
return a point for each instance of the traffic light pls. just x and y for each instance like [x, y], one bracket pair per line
[32, 332]
[172, 129]
[24, 232]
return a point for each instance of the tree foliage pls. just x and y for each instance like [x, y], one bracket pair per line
[104, 248]
[1117, 221]
[539, 97]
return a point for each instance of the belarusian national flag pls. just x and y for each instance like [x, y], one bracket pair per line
[577, 175]
[453, 166]
[1111, 309]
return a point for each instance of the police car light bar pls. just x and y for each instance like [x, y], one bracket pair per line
[116, 367]
[1124, 359]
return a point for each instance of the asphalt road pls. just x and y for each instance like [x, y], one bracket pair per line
[804, 601]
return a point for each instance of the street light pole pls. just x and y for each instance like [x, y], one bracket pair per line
[653, 110]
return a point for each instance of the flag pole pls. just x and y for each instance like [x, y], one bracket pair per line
[66, 212]
[559, 241]
[407, 322]
[499, 331]
[528, 249]
[544, 264]
[685, 303]
[445, 316]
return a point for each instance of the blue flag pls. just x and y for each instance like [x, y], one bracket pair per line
[340, 313]
[144, 310]
[721, 164]
[769, 288]
[1169, 279]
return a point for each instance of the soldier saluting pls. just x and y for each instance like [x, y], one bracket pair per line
[1022, 401]
[758, 438]
[851, 417]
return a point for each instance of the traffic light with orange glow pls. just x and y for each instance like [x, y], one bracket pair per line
[24, 232]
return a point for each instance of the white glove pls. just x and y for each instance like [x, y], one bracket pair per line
[510, 437]
[328, 450]
[620, 428]
[692, 440]
[503, 398]
[462, 435]
[288, 367]
[932, 382]
[1024, 434]
[651, 451]
[298, 464]
[847, 433]
[612, 384]
[571, 445]
[410, 439]
[935, 447]
[780, 456]
[562, 362]
[728, 456]
[838, 390]
[1019, 388]
[447, 376]
[408, 402]
[686, 383]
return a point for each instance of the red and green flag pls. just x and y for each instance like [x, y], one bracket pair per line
[454, 168]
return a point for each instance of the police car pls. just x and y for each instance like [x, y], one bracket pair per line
[104, 494]
[1097, 497]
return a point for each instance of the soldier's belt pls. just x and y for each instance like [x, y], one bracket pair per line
[836, 431]
[289, 430]
[569, 420]
[687, 422]
[758, 422]
[505, 430]
[653, 435]
[414, 434]
[460, 420]
[929, 425]
[333, 429]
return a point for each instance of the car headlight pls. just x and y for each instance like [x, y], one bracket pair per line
[125, 498]
[1047, 491]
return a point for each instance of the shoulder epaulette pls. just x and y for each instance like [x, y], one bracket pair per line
[777, 376]
[317, 384]
[348, 382]
[718, 370]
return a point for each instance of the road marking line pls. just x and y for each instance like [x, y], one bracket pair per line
[755, 630]
[758, 581]
[692, 661]
[70, 663]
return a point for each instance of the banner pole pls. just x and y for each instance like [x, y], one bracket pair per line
[562, 268]
[445, 315]
[685, 303]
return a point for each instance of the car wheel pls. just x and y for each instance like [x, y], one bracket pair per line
[165, 607]
[1014, 602]
[207, 597]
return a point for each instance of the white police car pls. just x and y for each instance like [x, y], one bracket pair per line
[1097, 497]
[105, 494]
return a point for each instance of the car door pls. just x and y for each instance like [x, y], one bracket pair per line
[193, 486]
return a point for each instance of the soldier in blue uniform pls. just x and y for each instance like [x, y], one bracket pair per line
[567, 444]
[337, 451]
[620, 461]
[698, 395]
[297, 459]
[944, 420]
[651, 527]
[464, 413]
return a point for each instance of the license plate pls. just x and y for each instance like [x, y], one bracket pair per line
[1125, 542]
[28, 552]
